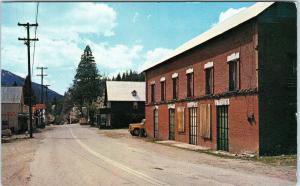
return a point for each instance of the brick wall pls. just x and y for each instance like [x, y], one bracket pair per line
[242, 40]
[243, 136]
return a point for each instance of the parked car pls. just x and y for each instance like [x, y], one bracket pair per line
[83, 121]
[6, 132]
[138, 129]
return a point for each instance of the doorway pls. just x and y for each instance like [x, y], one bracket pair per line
[193, 135]
[171, 124]
[222, 127]
[155, 123]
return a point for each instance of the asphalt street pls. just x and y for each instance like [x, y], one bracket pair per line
[81, 155]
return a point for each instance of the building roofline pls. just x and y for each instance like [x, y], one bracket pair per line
[229, 24]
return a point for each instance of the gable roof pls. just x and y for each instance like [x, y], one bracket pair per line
[11, 94]
[217, 30]
[122, 91]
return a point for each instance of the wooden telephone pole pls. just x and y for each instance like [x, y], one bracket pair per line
[42, 90]
[27, 42]
[42, 81]
[46, 86]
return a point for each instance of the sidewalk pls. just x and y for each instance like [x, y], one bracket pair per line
[200, 148]
[183, 145]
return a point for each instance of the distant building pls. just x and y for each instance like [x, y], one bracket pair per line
[13, 111]
[232, 88]
[123, 103]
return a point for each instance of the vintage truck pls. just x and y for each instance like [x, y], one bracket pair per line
[138, 129]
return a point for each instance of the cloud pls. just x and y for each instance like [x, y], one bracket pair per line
[135, 17]
[61, 43]
[227, 14]
[48, 52]
[115, 57]
[91, 18]
[57, 53]
[153, 56]
[60, 38]
[149, 16]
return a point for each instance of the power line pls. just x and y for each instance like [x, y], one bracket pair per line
[36, 17]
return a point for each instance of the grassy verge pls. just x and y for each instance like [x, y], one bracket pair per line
[283, 160]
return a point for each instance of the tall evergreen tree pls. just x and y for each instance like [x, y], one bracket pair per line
[123, 77]
[87, 84]
[118, 77]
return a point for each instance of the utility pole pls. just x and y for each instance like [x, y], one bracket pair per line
[42, 88]
[46, 86]
[47, 93]
[42, 81]
[27, 42]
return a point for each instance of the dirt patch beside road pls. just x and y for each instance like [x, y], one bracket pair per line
[16, 157]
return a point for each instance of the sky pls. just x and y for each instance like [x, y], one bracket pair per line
[122, 36]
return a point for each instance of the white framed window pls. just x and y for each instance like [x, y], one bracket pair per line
[135, 105]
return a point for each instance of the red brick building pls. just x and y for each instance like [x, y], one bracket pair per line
[232, 88]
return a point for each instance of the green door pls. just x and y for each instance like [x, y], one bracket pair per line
[222, 127]
[193, 132]
[171, 124]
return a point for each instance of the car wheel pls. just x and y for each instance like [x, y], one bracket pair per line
[136, 132]
[131, 132]
[143, 133]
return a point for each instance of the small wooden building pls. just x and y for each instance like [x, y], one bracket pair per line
[14, 113]
[123, 103]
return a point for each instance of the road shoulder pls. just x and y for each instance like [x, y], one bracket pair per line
[17, 154]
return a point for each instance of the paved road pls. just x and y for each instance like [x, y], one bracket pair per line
[80, 155]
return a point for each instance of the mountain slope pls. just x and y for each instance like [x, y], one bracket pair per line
[9, 78]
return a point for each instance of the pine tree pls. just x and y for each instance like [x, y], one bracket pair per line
[118, 77]
[123, 77]
[87, 84]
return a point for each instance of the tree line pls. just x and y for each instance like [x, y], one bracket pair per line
[129, 76]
